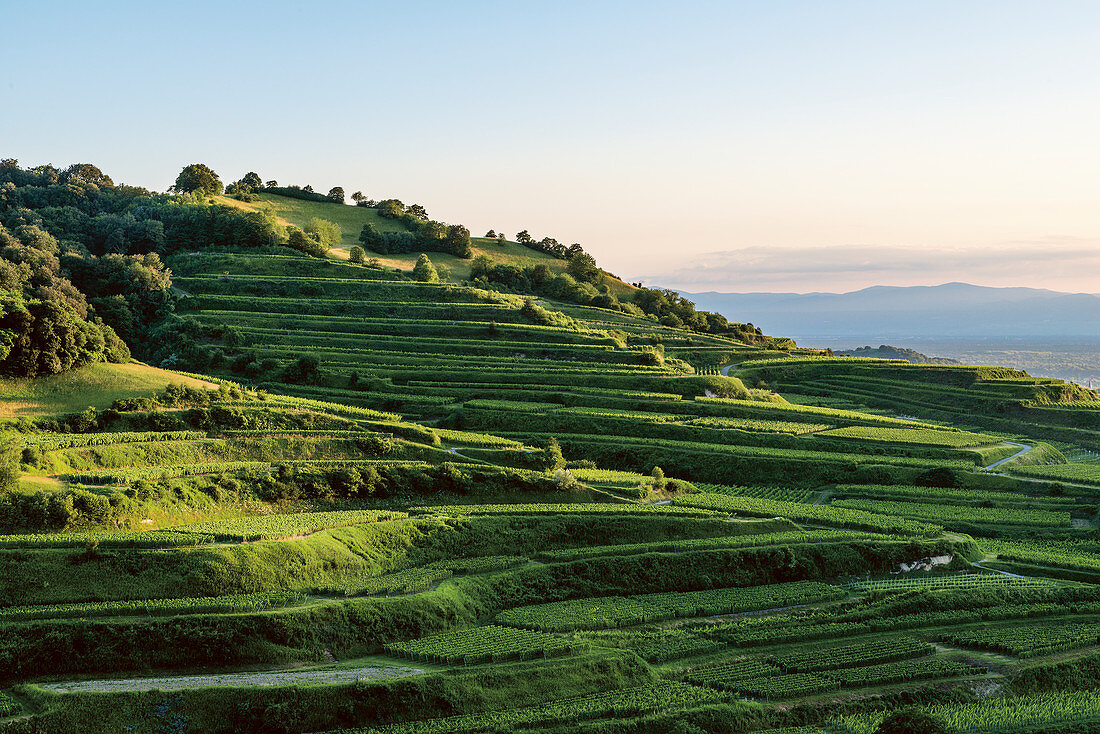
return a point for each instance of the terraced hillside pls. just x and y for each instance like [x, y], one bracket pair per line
[387, 505]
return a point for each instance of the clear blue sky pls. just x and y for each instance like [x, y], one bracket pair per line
[709, 145]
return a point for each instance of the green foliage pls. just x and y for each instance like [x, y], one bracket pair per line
[911, 721]
[117, 539]
[424, 271]
[788, 685]
[1040, 712]
[621, 703]
[756, 537]
[954, 514]
[236, 709]
[617, 611]
[9, 706]
[562, 509]
[11, 450]
[1028, 641]
[903, 671]
[483, 645]
[954, 439]
[517, 403]
[286, 526]
[197, 178]
[148, 607]
[327, 233]
[848, 656]
[834, 515]
[1070, 675]
[305, 242]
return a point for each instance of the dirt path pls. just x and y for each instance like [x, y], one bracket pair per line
[278, 678]
[1024, 448]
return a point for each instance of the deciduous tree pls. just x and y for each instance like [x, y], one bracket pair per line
[424, 271]
[198, 177]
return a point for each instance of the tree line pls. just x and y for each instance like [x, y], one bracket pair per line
[584, 283]
[81, 261]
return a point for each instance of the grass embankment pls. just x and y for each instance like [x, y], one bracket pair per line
[96, 385]
[233, 710]
[328, 557]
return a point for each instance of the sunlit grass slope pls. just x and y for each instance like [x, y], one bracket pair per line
[97, 385]
[351, 219]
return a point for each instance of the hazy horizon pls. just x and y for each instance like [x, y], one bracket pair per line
[856, 290]
[708, 146]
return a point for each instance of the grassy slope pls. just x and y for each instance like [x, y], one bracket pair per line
[352, 218]
[97, 385]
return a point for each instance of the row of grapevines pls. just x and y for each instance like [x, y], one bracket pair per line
[783, 411]
[152, 473]
[620, 611]
[756, 424]
[151, 607]
[723, 676]
[407, 581]
[820, 514]
[1086, 472]
[621, 703]
[850, 656]
[474, 439]
[480, 564]
[138, 473]
[122, 539]
[1028, 641]
[1066, 554]
[945, 514]
[590, 362]
[511, 405]
[484, 644]
[783, 494]
[692, 544]
[905, 670]
[632, 415]
[654, 646]
[764, 453]
[610, 476]
[324, 406]
[273, 527]
[953, 581]
[563, 509]
[9, 706]
[631, 393]
[790, 685]
[1010, 713]
[675, 647]
[918, 436]
[950, 496]
[749, 632]
[54, 441]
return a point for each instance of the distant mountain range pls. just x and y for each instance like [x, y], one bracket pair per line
[888, 312]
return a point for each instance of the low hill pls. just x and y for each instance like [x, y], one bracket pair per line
[352, 218]
[885, 351]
